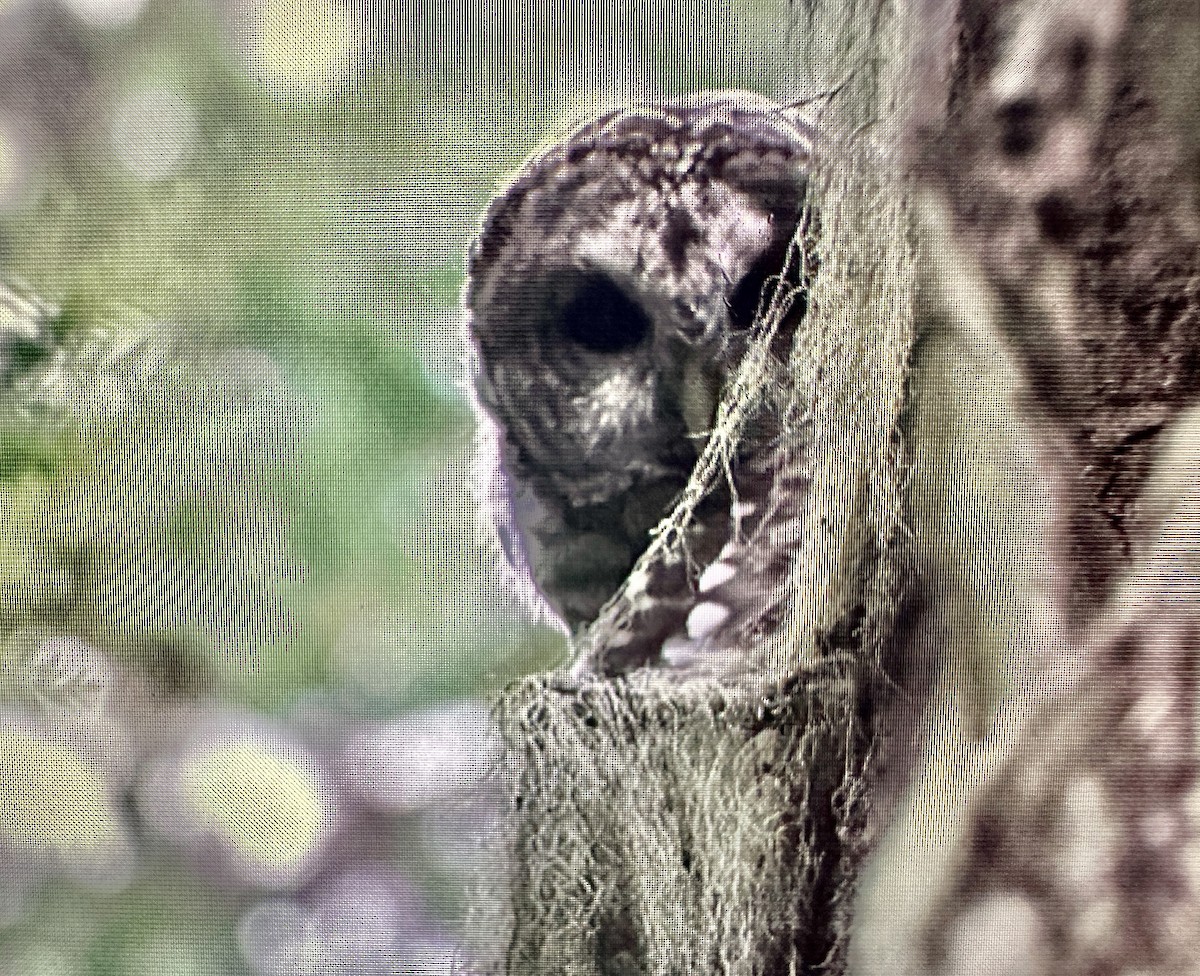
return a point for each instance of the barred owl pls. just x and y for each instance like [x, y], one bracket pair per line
[611, 293]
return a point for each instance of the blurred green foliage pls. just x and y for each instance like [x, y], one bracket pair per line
[233, 184]
[280, 196]
[162, 925]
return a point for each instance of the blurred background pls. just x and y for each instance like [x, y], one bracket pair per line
[249, 619]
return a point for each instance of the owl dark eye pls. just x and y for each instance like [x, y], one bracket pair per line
[602, 318]
[753, 289]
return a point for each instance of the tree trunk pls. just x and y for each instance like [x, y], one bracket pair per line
[666, 825]
[1066, 158]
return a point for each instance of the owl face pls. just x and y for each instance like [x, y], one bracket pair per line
[610, 294]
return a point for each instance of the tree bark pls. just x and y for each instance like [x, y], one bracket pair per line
[1066, 158]
[689, 827]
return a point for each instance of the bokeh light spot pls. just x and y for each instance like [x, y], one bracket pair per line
[51, 798]
[154, 132]
[268, 806]
[106, 13]
[305, 42]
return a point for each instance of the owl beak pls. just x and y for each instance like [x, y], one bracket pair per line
[699, 395]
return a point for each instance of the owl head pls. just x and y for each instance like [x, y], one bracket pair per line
[610, 293]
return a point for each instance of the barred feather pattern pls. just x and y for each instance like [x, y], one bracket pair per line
[741, 595]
